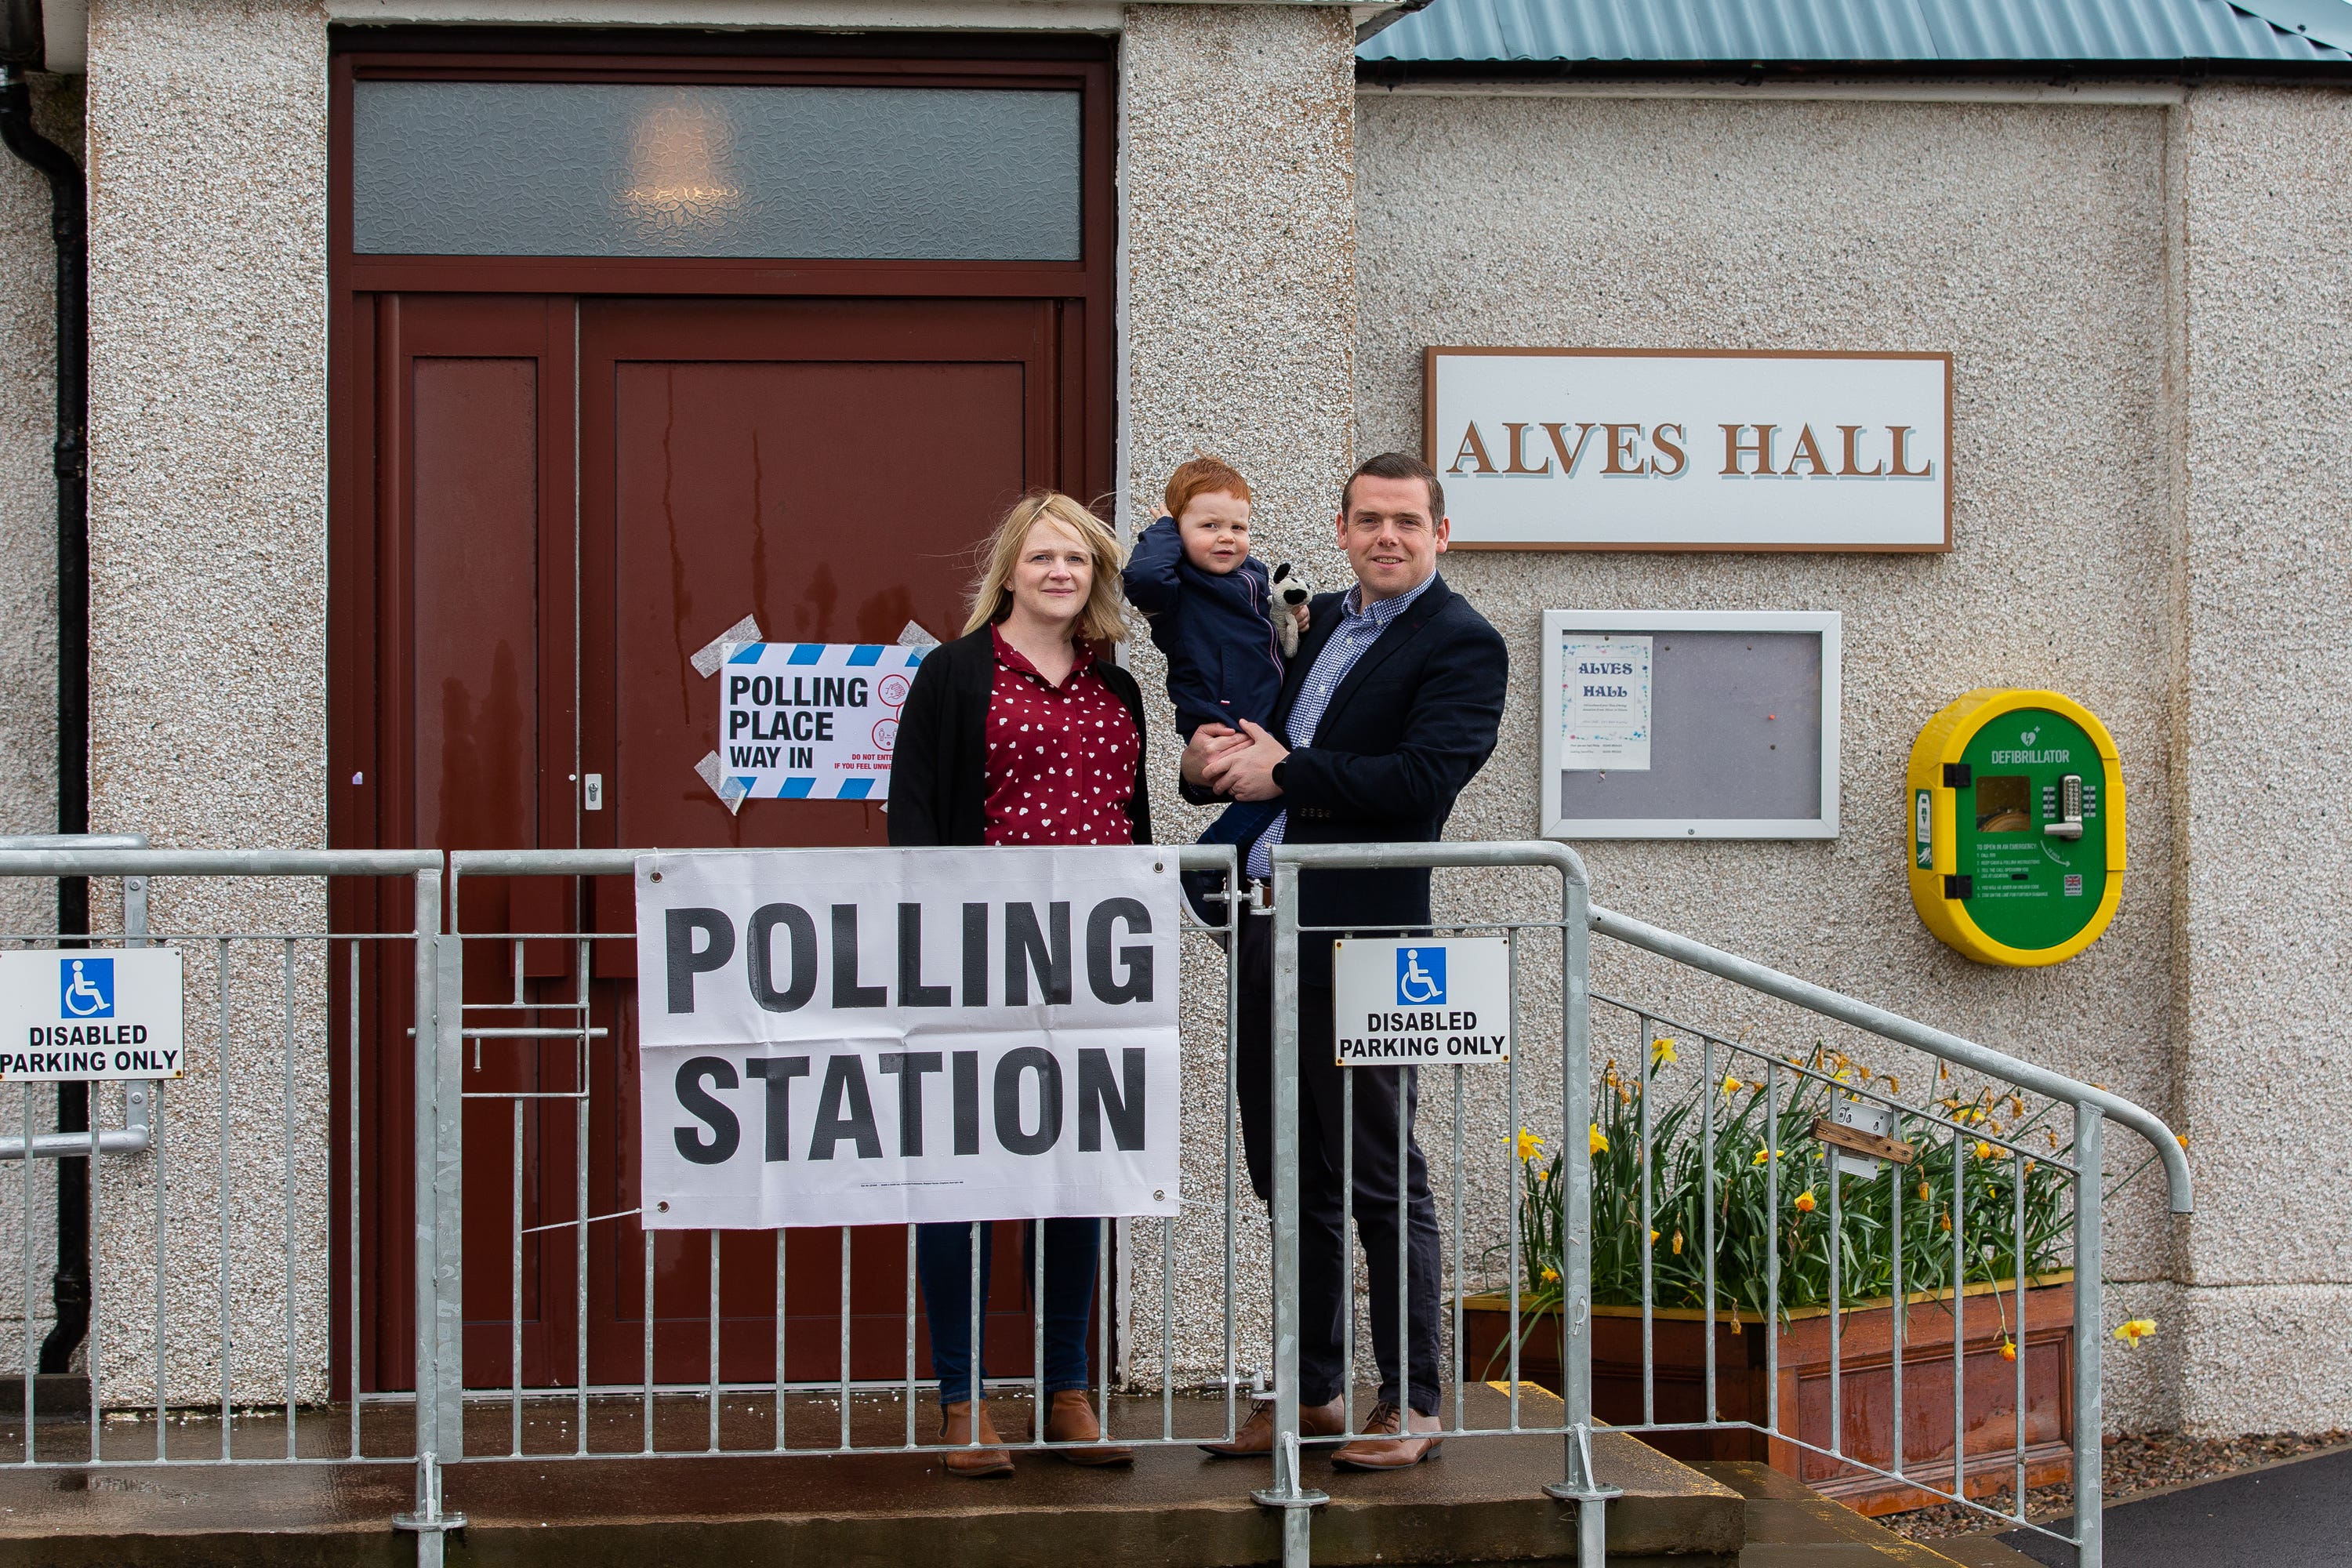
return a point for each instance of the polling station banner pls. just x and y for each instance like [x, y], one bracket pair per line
[869, 1036]
[811, 721]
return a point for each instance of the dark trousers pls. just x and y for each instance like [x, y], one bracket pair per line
[943, 1260]
[1384, 1097]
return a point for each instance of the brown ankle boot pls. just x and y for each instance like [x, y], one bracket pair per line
[1070, 1419]
[962, 1460]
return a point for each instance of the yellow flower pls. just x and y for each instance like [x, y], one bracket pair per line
[1552, 1276]
[1661, 1052]
[1805, 1201]
[2016, 1105]
[2176, 1138]
[2009, 1349]
[1528, 1143]
[1924, 1194]
[1595, 1141]
[1654, 1237]
[1624, 1097]
[2029, 1167]
[1894, 1084]
[1678, 1243]
[1945, 1222]
[1984, 1150]
[1764, 1155]
[1943, 1072]
[1732, 1085]
[2138, 1329]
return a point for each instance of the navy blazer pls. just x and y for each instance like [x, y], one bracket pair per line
[1415, 720]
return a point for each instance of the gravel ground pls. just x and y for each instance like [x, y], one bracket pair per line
[2133, 1464]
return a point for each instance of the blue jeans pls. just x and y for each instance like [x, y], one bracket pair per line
[1240, 823]
[943, 1262]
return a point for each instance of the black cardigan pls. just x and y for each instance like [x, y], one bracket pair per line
[938, 783]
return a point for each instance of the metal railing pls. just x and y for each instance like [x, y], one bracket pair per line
[508, 1023]
[1974, 1141]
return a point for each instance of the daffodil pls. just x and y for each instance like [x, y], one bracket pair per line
[1654, 1237]
[1678, 1243]
[1552, 1276]
[1595, 1141]
[2009, 1349]
[1661, 1052]
[1528, 1143]
[1945, 1223]
[1984, 1150]
[2176, 1138]
[1894, 1084]
[2137, 1330]
[1805, 1201]
[1764, 1155]
[2016, 1105]
[1924, 1194]
[1732, 1085]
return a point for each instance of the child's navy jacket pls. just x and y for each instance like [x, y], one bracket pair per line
[1223, 662]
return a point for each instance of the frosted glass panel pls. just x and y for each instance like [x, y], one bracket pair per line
[463, 168]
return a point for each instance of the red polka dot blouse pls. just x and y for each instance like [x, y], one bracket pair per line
[1061, 759]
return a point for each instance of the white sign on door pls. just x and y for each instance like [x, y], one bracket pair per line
[90, 1015]
[866, 1037]
[1398, 1000]
[1670, 450]
[811, 721]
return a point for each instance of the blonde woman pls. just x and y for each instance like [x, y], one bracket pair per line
[1015, 733]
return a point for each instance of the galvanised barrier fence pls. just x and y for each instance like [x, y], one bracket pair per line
[531, 992]
[1940, 1107]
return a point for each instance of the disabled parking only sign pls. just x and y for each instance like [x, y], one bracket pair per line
[90, 1015]
[1422, 999]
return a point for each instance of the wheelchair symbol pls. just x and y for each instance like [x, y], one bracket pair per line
[1418, 986]
[87, 993]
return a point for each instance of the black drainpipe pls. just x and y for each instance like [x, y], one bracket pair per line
[70, 1287]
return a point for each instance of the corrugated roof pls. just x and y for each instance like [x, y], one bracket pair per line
[1873, 32]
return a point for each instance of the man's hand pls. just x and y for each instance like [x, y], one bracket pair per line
[1245, 771]
[1208, 743]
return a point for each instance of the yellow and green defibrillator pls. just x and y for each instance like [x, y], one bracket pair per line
[2017, 826]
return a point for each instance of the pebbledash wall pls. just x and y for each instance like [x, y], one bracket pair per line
[2147, 291]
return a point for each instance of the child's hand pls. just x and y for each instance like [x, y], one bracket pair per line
[1300, 613]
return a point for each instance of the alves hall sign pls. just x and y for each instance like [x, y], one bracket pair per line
[1691, 449]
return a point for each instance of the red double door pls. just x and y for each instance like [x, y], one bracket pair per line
[549, 505]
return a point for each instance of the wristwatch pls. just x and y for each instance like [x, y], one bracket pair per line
[1275, 772]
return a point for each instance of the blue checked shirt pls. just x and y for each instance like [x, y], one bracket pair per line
[1358, 629]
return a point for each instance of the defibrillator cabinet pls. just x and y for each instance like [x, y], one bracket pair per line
[2017, 826]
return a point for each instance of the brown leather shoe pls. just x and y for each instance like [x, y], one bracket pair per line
[971, 1463]
[1070, 1419]
[1391, 1453]
[1255, 1438]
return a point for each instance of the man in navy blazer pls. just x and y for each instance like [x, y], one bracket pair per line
[1389, 708]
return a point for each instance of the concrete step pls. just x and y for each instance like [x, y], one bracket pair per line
[1788, 1525]
[1480, 1500]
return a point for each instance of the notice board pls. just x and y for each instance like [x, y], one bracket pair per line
[1690, 723]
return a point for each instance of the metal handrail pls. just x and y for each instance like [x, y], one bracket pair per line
[1895, 1027]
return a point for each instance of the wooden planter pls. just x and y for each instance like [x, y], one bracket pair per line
[1866, 1392]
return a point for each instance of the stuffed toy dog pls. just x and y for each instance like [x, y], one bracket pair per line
[1291, 589]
